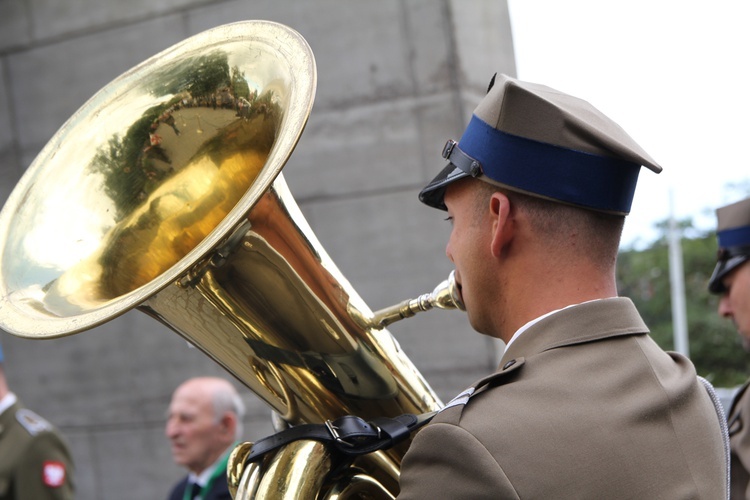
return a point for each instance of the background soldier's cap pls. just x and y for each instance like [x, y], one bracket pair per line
[733, 235]
[536, 140]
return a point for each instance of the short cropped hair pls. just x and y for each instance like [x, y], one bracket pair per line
[227, 400]
[556, 221]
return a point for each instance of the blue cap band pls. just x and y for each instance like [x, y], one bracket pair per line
[734, 237]
[576, 177]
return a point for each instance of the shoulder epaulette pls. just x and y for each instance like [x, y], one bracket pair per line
[501, 375]
[463, 398]
[32, 422]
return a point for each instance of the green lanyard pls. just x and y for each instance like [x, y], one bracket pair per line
[220, 469]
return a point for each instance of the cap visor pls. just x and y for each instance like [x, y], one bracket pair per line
[433, 193]
[715, 284]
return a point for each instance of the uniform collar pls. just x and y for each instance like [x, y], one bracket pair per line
[578, 324]
[535, 321]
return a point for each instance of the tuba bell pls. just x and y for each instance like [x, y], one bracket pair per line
[181, 211]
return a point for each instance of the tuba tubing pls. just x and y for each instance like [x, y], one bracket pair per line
[189, 220]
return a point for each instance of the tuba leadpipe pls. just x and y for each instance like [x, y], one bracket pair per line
[444, 296]
[164, 193]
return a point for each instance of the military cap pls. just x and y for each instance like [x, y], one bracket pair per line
[534, 139]
[733, 235]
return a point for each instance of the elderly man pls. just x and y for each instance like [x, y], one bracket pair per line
[203, 422]
[34, 459]
[584, 403]
[731, 280]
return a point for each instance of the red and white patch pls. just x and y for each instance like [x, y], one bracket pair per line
[53, 473]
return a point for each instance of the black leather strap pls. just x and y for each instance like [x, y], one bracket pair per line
[459, 158]
[349, 435]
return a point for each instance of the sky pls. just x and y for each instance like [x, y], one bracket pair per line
[675, 74]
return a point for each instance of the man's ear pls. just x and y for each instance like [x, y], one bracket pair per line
[228, 422]
[502, 223]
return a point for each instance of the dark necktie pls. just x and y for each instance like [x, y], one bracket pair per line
[195, 490]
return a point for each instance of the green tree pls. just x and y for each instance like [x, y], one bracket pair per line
[643, 275]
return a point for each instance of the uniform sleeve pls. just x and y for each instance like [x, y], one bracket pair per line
[46, 470]
[446, 461]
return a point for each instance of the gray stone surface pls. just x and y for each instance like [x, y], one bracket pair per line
[49, 83]
[396, 78]
[10, 169]
[15, 24]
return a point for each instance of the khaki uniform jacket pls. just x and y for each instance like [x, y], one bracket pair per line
[739, 440]
[585, 406]
[34, 460]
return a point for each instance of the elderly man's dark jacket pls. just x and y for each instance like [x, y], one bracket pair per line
[219, 490]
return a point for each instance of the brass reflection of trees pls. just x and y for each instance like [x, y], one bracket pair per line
[129, 163]
[169, 195]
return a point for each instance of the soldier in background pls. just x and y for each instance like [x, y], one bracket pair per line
[35, 462]
[731, 281]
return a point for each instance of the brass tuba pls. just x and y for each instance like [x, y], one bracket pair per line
[180, 210]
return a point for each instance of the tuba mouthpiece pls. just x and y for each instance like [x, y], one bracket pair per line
[444, 296]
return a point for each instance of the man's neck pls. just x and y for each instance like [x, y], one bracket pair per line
[202, 476]
[538, 295]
